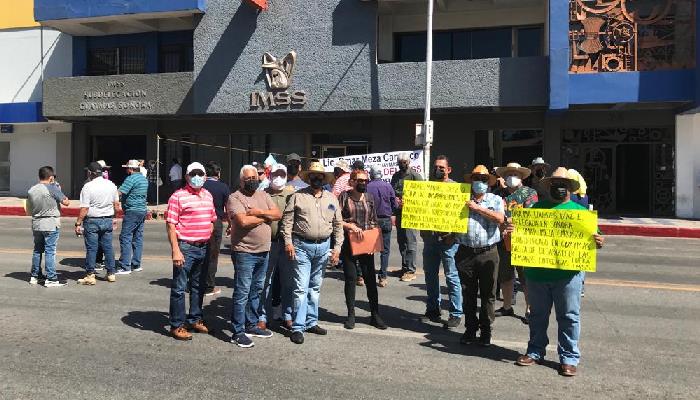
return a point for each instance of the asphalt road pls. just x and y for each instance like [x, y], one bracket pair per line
[640, 324]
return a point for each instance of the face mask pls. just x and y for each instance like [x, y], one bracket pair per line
[479, 187]
[439, 174]
[293, 169]
[361, 187]
[278, 182]
[316, 183]
[251, 186]
[513, 181]
[403, 167]
[558, 193]
[197, 181]
[539, 173]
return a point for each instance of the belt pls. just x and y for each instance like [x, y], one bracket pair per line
[381, 217]
[479, 250]
[195, 244]
[109, 216]
[312, 241]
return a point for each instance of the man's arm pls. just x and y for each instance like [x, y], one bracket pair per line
[81, 217]
[178, 258]
[497, 215]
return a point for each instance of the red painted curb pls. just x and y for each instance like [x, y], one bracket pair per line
[71, 212]
[650, 230]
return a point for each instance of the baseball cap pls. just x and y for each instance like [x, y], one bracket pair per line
[94, 167]
[195, 166]
[278, 167]
[293, 157]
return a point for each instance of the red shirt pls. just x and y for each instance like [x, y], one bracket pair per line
[192, 213]
[341, 184]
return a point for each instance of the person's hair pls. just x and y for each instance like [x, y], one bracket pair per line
[246, 168]
[175, 161]
[135, 169]
[405, 157]
[443, 157]
[45, 172]
[212, 168]
[353, 174]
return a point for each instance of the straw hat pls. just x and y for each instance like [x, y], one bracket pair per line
[342, 164]
[316, 167]
[513, 167]
[575, 175]
[130, 164]
[103, 164]
[560, 175]
[480, 170]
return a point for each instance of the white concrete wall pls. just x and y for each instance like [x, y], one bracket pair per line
[20, 69]
[688, 166]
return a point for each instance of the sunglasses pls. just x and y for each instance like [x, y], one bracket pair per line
[361, 180]
[261, 173]
[196, 173]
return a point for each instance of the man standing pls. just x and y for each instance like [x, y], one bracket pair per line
[477, 258]
[312, 215]
[407, 238]
[175, 175]
[278, 282]
[133, 193]
[189, 218]
[152, 176]
[43, 204]
[99, 201]
[439, 247]
[385, 201]
[561, 288]
[220, 193]
[341, 171]
[539, 170]
[252, 211]
[293, 170]
[515, 195]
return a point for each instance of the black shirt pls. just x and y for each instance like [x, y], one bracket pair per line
[220, 192]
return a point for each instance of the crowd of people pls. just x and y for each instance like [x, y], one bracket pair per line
[288, 222]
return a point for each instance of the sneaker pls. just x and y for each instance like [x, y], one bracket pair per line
[99, 267]
[317, 330]
[453, 322]
[383, 282]
[137, 269]
[180, 333]
[485, 339]
[212, 292]
[242, 340]
[408, 276]
[505, 312]
[360, 281]
[297, 337]
[256, 331]
[433, 316]
[468, 337]
[198, 327]
[122, 271]
[111, 278]
[33, 280]
[54, 283]
[526, 318]
[88, 280]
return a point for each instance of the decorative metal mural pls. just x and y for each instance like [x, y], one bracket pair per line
[593, 152]
[631, 35]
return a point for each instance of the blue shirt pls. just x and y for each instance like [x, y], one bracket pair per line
[297, 184]
[134, 191]
[483, 232]
[384, 197]
[220, 192]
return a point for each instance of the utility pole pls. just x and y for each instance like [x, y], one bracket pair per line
[427, 129]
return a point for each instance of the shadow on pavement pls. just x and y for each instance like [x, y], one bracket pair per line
[216, 317]
[73, 262]
[62, 274]
[165, 282]
[154, 321]
[394, 318]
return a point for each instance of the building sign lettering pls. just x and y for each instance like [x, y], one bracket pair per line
[278, 74]
[117, 97]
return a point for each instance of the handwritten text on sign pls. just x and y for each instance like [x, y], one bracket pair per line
[557, 239]
[435, 206]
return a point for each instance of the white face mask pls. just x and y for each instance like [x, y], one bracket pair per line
[513, 181]
[278, 182]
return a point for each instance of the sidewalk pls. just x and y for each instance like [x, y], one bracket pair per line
[654, 227]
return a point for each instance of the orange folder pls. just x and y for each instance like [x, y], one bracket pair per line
[370, 243]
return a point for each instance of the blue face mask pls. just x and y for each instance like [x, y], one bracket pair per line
[479, 187]
[197, 181]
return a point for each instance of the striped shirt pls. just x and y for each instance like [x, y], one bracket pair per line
[192, 213]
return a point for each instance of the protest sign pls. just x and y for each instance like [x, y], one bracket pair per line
[435, 206]
[386, 163]
[556, 239]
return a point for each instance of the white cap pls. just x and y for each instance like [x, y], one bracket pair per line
[130, 164]
[278, 167]
[194, 166]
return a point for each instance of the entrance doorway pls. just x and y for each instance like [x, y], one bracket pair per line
[633, 184]
[116, 151]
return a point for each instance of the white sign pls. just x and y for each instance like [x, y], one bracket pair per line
[386, 163]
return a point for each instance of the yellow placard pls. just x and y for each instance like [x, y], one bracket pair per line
[556, 239]
[435, 206]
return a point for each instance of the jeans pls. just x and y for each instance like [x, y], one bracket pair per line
[365, 264]
[131, 239]
[385, 226]
[478, 272]
[277, 290]
[408, 245]
[211, 262]
[248, 281]
[307, 275]
[98, 232]
[434, 253]
[45, 242]
[565, 295]
[189, 272]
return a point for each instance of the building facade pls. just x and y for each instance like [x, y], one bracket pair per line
[605, 86]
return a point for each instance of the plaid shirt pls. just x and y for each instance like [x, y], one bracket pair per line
[482, 231]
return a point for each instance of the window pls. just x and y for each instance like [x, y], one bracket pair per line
[471, 44]
[176, 58]
[117, 61]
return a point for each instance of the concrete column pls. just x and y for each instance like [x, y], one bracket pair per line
[552, 138]
[687, 165]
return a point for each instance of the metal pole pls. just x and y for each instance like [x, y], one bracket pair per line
[157, 171]
[428, 91]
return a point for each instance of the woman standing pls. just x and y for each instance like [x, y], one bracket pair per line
[359, 215]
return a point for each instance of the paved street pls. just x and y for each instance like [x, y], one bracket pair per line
[640, 320]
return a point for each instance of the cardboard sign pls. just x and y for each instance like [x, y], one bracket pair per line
[435, 206]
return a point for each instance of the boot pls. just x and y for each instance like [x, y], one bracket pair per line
[350, 322]
[377, 322]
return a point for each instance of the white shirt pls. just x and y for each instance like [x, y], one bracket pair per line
[176, 172]
[99, 195]
[143, 171]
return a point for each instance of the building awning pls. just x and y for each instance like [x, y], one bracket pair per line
[17, 113]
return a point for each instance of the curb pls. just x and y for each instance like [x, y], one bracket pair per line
[71, 212]
[650, 230]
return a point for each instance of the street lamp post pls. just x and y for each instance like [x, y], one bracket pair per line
[427, 122]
